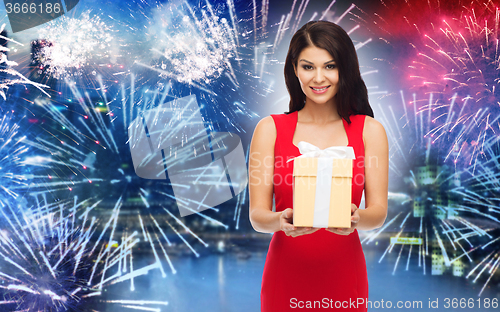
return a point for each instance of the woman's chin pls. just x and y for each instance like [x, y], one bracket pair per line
[321, 102]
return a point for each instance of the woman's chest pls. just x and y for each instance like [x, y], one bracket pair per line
[322, 136]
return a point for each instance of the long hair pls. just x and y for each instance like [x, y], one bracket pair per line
[352, 95]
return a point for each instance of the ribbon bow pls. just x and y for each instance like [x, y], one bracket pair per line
[309, 150]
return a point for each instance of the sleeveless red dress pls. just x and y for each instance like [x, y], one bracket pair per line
[319, 270]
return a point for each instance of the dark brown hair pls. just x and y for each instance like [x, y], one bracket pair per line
[352, 96]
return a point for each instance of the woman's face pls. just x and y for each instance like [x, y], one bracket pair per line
[318, 75]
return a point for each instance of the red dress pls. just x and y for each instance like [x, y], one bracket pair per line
[321, 270]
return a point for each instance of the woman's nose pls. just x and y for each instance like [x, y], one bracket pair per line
[319, 76]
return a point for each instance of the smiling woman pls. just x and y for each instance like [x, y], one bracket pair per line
[319, 81]
[328, 107]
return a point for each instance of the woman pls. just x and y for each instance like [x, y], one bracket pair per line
[318, 268]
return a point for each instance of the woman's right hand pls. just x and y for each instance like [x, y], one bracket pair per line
[286, 225]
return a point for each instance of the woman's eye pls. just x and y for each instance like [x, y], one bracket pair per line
[331, 66]
[306, 67]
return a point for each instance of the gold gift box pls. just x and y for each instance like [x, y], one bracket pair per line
[304, 192]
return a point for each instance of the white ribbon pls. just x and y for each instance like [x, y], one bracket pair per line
[309, 150]
[323, 176]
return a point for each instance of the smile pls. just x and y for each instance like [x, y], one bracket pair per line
[320, 89]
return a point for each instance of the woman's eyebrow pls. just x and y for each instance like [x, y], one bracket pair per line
[302, 60]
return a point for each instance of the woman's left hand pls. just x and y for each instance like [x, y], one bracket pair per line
[354, 223]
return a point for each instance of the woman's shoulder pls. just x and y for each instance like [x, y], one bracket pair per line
[373, 129]
[264, 136]
[275, 123]
[265, 127]
[274, 120]
[266, 122]
[372, 123]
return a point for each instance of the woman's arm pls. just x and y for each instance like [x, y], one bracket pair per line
[376, 176]
[261, 171]
[376, 181]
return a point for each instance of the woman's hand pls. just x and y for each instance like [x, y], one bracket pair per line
[286, 225]
[354, 223]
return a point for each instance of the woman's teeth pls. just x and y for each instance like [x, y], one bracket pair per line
[320, 89]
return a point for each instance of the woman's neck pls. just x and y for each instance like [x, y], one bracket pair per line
[319, 113]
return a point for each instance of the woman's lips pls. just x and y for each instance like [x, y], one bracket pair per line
[319, 90]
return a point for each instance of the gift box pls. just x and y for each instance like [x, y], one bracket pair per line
[322, 187]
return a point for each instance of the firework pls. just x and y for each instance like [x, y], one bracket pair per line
[230, 59]
[466, 67]
[9, 75]
[482, 197]
[10, 161]
[57, 257]
[232, 65]
[74, 44]
[192, 49]
[90, 143]
[20, 160]
[440, 218]
[88, 139]
[450, 119]
[454, 63]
